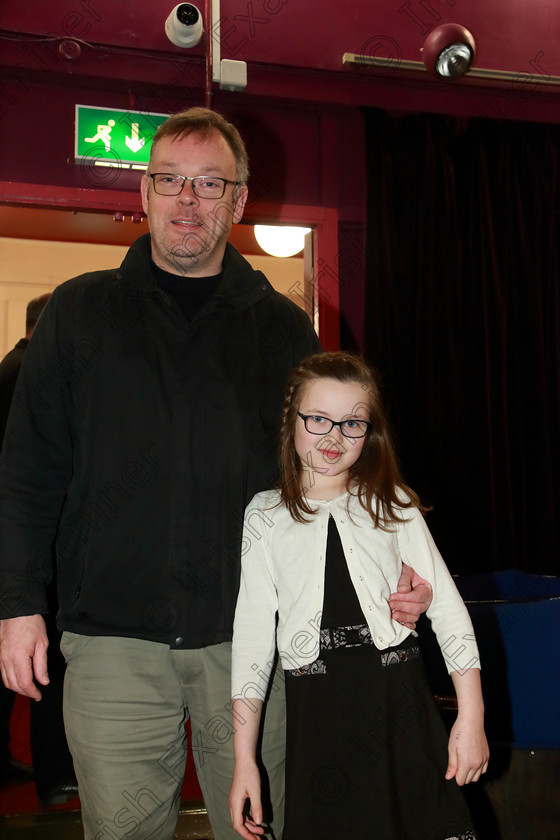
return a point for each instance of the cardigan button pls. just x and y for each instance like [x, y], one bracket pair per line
[179, 641]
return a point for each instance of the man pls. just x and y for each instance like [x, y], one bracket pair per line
[52, 763]
[11, 363]
[158, 389]
[12, 771]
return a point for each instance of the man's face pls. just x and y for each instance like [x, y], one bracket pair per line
[189, 234]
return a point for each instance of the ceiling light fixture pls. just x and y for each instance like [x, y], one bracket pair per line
[280, 240]
[449, 51]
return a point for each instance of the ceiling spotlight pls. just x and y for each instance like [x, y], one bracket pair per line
[449, 51]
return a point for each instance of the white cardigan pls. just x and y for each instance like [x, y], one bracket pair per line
[283, 570]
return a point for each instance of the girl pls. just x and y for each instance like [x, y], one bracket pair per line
[367, 754]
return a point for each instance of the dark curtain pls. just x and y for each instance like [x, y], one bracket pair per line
[463, 324]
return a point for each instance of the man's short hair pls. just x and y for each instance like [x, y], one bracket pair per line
[34, 309]
[203, 122]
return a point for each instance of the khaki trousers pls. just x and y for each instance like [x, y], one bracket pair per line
[126, 702]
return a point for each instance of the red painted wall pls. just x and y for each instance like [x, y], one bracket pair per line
[300, 112]
[304, 34]
[121, 57]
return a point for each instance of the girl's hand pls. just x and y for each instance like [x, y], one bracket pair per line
[468, 752]
[246, 785]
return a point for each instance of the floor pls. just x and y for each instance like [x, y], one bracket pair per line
[66, 825]
[518, 800]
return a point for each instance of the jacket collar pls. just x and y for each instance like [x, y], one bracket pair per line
[240, 287]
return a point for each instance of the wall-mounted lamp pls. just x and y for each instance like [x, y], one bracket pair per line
[183, 27]
[280, 240]
[449, 51]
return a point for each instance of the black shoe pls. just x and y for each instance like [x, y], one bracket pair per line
[59, 794]
[14, 773]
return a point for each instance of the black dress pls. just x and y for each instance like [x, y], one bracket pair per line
[366, 745]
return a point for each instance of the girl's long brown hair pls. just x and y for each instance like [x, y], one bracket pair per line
[375, 477]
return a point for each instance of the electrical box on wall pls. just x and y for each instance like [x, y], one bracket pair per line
[233, 74]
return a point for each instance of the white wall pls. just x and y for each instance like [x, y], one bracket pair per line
[31, 267]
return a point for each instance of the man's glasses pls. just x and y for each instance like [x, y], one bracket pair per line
[351, 428]
[203, 186]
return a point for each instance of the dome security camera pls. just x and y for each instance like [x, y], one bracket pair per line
[183, 27]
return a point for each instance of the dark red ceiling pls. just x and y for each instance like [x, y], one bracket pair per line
[54, 54]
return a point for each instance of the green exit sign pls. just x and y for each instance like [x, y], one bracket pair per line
[113, 136]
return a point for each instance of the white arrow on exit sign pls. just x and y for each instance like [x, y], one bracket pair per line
[134, 142]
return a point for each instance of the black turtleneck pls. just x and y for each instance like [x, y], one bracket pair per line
[191, 293]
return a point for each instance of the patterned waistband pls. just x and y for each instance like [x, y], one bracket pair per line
[358, 635]
[354, 635]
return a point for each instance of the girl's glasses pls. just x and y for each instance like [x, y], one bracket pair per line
[351, 428]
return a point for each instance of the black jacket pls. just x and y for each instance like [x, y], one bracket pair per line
[134, 443]
[9, 372]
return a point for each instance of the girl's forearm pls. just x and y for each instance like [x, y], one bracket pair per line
[246, 721]
[469, 694]
[246, 784]
[468, 747]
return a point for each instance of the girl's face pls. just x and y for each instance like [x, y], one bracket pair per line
[326, 458]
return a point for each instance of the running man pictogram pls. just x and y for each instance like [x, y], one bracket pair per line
[103, 135]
